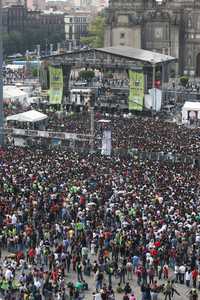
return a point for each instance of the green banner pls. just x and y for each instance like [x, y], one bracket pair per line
[56, 85]
[136, 90]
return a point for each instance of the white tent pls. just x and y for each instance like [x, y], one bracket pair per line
[13, 93]
[14, 67]
[30, 116]
[190, 112]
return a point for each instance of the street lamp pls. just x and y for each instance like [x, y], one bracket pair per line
[1, 80]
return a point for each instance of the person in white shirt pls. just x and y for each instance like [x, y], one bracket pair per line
[176, 272]
[97, 296]
[188, 278]
[8, 275]
[14, 219]
[182, 270]
[37, 283]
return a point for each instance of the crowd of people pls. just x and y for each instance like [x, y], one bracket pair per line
[144, 134]
[84, 225]
[75, 223]
[11, 76]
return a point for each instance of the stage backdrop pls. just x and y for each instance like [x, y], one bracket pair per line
[136, 90]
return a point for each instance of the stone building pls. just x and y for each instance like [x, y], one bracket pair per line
[18, 18]
[166, 26]
[76, 26]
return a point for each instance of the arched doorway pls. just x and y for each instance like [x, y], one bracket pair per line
[198, 65]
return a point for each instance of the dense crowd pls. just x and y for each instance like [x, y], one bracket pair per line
[144, 134]
[69, 219]
[11, 76]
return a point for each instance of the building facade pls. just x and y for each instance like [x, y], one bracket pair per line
[14, 18]
[18, 18]
[13, 2]
[25, 29]
[76, 26]
[36, 4]
[166, 26]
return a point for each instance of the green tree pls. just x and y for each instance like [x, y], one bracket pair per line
[86, 74]
[95, 37]
[16, 41]
[34, 72]
[184, 80]
[172, 73]
[12, 42]
[108, 74]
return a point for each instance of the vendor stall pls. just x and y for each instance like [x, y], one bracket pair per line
[191, 113]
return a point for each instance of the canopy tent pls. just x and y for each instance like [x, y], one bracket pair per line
[30, 116]
[13, 93]
[190, 112]
[14, 67]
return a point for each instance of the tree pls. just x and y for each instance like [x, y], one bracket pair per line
[108, 74]
[172, 73]
[95, 37]
[86, 74]
[17, 41]
[12, 42]
[34, 72]
[184, 80]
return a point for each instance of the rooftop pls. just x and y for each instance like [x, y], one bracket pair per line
[137, 54]
[125, 52]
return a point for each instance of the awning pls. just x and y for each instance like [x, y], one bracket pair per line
[30, 116]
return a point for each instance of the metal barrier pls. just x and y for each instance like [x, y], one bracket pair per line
[81, 143]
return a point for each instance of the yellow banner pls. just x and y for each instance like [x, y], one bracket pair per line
[136, 90]
[56, 85]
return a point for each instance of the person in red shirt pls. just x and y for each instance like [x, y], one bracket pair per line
[166, 271]
[31, 255]
[194, 277]
[82, 201]
[54, 275]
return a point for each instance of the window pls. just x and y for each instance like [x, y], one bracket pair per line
[189, 22]
[122, 35]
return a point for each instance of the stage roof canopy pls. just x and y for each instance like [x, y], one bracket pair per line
[137, 54]
[118, 52]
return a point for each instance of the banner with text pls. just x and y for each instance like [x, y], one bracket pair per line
[106, 143]
[136, 90]
[56, 85]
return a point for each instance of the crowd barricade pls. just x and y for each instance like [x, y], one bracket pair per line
[81, 143]
[161, 156]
